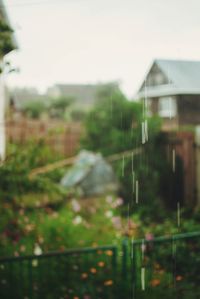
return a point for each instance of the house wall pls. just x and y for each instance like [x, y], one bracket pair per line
[189, 109]
[184, 147]
[168, 123]
[155, 77]
[2, 121]
[154, 106]
[183, 179]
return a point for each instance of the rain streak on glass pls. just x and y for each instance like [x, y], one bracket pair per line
[143, 249]
[143, 278]
[132, 241]
[137, 191]
[128, 222]
[143, 132]
[132, 162]
[123, 161]
[178, 214]
[173, 247]
[133, 173]
[144, 122]
[133, 180]
[146, 130]
[173, 160]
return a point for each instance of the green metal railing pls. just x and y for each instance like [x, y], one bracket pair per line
[167, 267]
[85, 273]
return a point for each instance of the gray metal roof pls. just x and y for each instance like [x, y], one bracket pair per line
[83, 94]
[183, 77]
[183, 73]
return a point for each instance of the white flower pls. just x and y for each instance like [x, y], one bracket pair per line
[77, 220]
[109, 214]
[37, 250]
[109, 199]
[76, 206]
[34, 263]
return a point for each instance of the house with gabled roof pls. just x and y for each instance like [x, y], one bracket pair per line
[84, 95]
[172, 91]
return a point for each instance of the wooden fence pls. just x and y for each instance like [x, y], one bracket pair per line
[182, 145]
[63, 138]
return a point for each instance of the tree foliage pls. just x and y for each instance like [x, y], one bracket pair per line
[113, 126]
[34, 108]
[6, 44]
[109, 125]
[14, 172]
[58, 106]
[55, 108]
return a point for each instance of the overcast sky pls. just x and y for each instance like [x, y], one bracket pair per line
[86, 41]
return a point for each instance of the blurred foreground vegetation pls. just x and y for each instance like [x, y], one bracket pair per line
[40, 211]
[38, 215]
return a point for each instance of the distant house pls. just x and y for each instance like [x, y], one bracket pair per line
[172, 90]
[22, 95]
[84, 95]
[5, 48]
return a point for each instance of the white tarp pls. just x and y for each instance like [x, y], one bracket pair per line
[91, 175]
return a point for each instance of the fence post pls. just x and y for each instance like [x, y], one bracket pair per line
[134, 268]
[114, 267]
[114, 259]
[124, 258]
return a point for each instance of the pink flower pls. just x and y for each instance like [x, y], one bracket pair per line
[76, 206]
[118, 202]
[149, 236]
[117, 222]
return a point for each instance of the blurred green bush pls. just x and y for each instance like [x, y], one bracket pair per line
[113, 126]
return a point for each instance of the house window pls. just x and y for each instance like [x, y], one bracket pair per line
[167, 107]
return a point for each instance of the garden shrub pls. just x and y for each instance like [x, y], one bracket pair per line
[114, 126]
